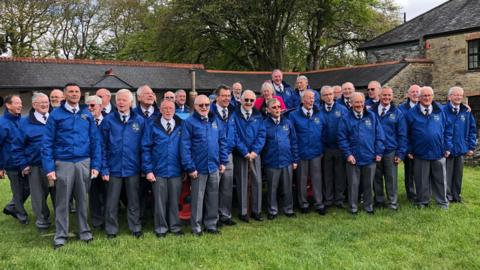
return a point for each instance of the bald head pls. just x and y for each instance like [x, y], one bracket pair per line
[347, 89]
[413, 93]
[202, 105]
[426, 96]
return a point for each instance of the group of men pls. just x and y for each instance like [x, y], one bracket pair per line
[346, 148]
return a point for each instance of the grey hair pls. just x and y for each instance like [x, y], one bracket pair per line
[377, 83]
[180, 91]
[450, 91]
[248, 91]
[355, 94]
[268, 85]
[141, 89]
[106, 90]
[272, 101]
[37, 95]
[325, 88]
[126, 91]
[93, 98]
[302, 77]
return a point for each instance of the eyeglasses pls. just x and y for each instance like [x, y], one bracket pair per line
[91, 105]
[275, 107]
[169, 97]
[249, 100]
[203, 105]
[371, 89]
[226, 96]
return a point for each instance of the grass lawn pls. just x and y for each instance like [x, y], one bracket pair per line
[408, 239]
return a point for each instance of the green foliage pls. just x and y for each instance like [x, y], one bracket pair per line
[407, 239]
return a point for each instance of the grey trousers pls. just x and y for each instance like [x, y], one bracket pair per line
[387, 173]
[454, 177]
[114, 188]
[166, 192]
[431, 177]
[97, 199]
[205, 198]
[72, 179]
[364, 175]
[39, 191]
[409, 179]
[225, 192]
[312, 168]
[240, 169]
[334, 177]
[20, 193]
[275, 178]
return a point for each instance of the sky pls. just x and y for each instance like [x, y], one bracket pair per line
[413, 8]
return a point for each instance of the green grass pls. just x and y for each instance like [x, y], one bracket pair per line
[408, 239]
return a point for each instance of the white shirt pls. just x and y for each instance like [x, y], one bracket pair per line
[150, 110]
[309, 111]
[39, 117]
[124, 114]
[108, 108]
[70, 108]
[100, 119]
[380, 108]
[278, 88]
[275, 120]
[430, 109]
[165, 121]
[220, 110]
[244, 112]
[358, 113]
[412, 104]
[455, 107]
[326, 106]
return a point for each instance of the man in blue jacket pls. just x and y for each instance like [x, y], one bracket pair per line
[162, 165]
[373, 89]
[121, 157]
[334, 176]
[223, 109]
[10, 136]
[430, 142]
[71, 156]
[360, 136]
[250, 132]
[464, 141]
[282, 88]
[309, 124]
[204, 155]
[280, 158]
[413, 95]
[32, 128]
[395, 130]
[302, 85]
[347, 90]
[181, 101]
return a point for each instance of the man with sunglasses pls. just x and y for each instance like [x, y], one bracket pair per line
[373, 90]
[203, 151]
[250, 132]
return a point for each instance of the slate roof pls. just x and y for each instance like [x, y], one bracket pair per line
[450, 17]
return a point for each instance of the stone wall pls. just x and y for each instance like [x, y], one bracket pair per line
[414, 73]
[449, 55]
[393, 53]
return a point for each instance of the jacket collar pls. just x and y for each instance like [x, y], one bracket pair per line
[11, 116]
[32, 119]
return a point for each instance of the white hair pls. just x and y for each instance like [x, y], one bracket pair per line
[325, 88]
[37, 95]
[141, 89]
[357, 94]
[450, 91]
[124, 91]
[180, 91]
[265, 85]
[94, 98]
[249, 91]
[302, 77]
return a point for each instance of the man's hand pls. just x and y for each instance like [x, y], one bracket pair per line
[378, 158]
[26, 171]
[221, 169]
[447, 154]
[470, 153]
[52, 176]
[410, 156]
[2, 174]
[193, 175]
[247, 156]
[351, 160]
[93, 173]
[151, 177]
[253, 155]
[397, 160]
[294, 166]
[106, 178]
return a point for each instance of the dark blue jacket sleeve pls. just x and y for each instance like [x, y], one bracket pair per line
[18, 149]
[343, 142]
[379, 138]
[448, 134]
[472, 133]
[260, 140]
[104, 132]
[223, 144]
[48, 144]
[95, 146]
[147, 145]
[186, 148]
[294, 144]
[402, 136]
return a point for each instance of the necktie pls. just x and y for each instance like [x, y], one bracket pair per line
[146, 113]
[425, 112]
[347, 101]
[44, 118]
[455, 110]
[359, 115]
[124, 119]
[329, 108]
[247, 115]
[383, 111]
[204, 118]
[308, 114]
[97, 121]
[224, 114]
[74, 110]
[169, 128]
[277, 121]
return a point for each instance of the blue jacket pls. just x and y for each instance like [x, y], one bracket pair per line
[161, 151]
[464, 130]
[30, 145]
[203, 145]
[309, 132]
[394, 127]
[332, 118]
[428, 136]
[363, 138]
[186, 109]
[405, 107]
[250, 134]
[121, 145]
[228, 125]
[71, 137]
[296, 100]
[151, 118]
[369, 103]
[341, 101]
[280, 148]
[9, 136]
[287, 95]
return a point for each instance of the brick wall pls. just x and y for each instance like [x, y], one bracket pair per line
[414, 73]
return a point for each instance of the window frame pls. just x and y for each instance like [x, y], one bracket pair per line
[471, 55]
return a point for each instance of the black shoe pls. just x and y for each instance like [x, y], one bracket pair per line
[340, 205]
[290, 215]
[23, 222]
[99, 227]
[371, 212]
[137, 234]
[304, 210]
[197, 234]
[179, 233]
[111, 236]
[229, 222]
[87, 241]
[271, 216]
[9, 213]
[212, 231]
[421, 206]
[161, 235]
[257, 216]
[321, 211]
[57, 246]
[243, 218]
[219, 223]
[354, 212]
[379, 205]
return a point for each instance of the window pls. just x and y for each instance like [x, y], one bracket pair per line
[474, 54]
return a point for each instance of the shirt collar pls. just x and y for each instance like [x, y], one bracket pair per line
[70, 108]
[150, 110]
[244, 112]
[220, 108]
[412, 104]
[305, 110]
[39, 117]
[108, 108]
